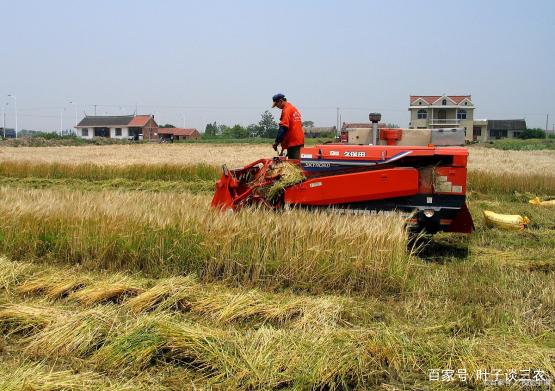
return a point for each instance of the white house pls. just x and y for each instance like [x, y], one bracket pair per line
[118, 127]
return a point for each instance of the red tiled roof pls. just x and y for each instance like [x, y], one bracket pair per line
[139, 120]
[178, 131]
[430, 99]
[459, 98]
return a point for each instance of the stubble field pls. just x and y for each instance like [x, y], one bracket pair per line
[115, 274]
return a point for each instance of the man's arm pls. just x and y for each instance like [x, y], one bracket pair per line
[283, 127]
[281, 133]
[279, 138]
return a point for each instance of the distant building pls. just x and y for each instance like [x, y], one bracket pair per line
[493, 129]
[346, 126]
[315, 131]
[358, 132]
[442, 111]
[118, 127]
[8, 132]
[179, 133]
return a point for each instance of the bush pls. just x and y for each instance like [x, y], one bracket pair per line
[532, 133]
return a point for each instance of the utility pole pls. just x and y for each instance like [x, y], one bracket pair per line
[337, 131]
[74, 110]
[62, 121]
[15, 109]
[4, 120]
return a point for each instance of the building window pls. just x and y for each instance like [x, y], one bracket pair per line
[444, 102]
[85, 132]
[422, 114]
[420, 102]
[118, 131]
[461, 114]
[465, 103]
[498, 133]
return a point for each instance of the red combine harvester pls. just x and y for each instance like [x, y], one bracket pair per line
[428, 182]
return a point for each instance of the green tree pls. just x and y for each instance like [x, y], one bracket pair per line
[255, 130]
[237, 131]
[167, 126]
[308, 124]
[223, 130]
[268, 125]
[211, 130]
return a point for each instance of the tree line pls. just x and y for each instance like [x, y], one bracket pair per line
[267, 127]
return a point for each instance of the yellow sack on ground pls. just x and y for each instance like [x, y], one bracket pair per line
[537, 201]
[505, 221]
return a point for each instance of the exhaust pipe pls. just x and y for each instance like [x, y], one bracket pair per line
[375, 118]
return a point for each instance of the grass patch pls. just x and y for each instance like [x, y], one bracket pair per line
[511, 144]
[96, 172]
[508, 183]
[194, 187]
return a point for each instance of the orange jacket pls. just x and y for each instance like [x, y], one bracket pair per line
[291, 119]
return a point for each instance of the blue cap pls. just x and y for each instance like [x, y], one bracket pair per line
[276, 98]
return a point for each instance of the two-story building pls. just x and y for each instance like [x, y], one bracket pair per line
[118, 126]
[442, 111]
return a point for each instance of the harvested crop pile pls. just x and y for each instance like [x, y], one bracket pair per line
[53, 286]
[114, 289]
[25, 319]
[289, 174]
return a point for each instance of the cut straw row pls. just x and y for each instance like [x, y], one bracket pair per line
[268, 358]
[215, 302]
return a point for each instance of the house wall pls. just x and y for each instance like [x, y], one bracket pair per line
[150, 130]
[415, 122]
[124, 133]
[483, 126]
[450, 113]
[194, 136]
[79, 133]
[510, 133]
[468, 124]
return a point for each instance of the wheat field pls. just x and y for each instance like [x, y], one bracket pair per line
[237, 155]
[123, 155]
[115, 274]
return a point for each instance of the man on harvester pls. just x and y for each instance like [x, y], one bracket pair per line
[290, 134]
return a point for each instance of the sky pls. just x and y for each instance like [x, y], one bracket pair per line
[194, 62]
